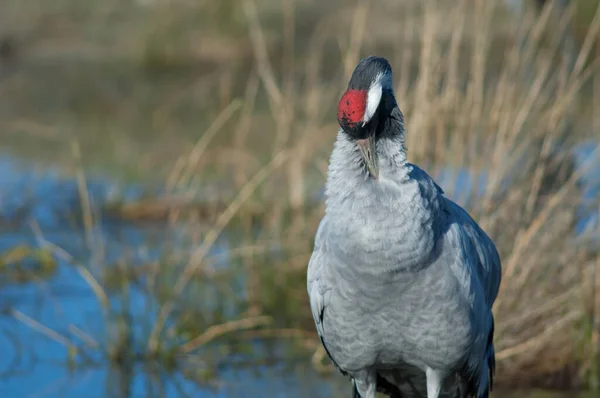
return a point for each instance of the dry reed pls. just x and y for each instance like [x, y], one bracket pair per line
[483, 95]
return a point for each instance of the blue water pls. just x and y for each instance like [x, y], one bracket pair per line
[33, 365]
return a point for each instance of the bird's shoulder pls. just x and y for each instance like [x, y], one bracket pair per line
[465, 243]
[426, 183]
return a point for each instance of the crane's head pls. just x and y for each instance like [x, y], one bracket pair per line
[368, 100]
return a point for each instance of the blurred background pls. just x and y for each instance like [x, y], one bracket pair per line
[161, 179]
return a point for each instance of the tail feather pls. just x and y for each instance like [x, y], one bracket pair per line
[355, 393]
[485, 388]
[491, 357]
[491, 366]
[387, 388]
[383, 386]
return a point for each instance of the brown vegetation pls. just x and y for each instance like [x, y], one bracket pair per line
[483, 95]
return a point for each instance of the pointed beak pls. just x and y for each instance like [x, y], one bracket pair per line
[369, 155]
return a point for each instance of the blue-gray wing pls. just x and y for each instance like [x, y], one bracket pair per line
[318, 286]
[477, 249]
[484, 256]
[480, 275]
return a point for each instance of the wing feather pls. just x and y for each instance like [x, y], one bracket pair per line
[483, 260]
[318, 287]
[483, 254]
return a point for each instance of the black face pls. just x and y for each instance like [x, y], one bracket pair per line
[354, 102]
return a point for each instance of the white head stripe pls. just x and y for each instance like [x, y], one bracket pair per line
[373, 98]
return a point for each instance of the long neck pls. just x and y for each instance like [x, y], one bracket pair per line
[348, 177]
[373, 224]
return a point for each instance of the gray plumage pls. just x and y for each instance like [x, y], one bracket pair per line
[401, 280]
